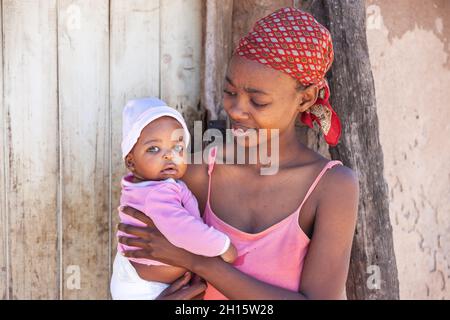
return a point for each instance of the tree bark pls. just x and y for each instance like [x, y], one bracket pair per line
[353, 98]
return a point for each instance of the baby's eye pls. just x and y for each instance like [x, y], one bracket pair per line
[153, 149]
[178, 148]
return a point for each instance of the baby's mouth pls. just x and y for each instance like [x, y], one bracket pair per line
[170, 169]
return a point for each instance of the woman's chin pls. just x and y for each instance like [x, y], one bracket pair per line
[246, 143]
[247, 139]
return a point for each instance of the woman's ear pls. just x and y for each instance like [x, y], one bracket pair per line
[129, 162]
[308, 97]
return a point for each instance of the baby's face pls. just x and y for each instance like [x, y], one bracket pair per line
[160, 151]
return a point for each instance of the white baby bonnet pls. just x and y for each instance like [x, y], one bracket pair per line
[139, 113]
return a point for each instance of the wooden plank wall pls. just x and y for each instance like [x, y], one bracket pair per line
[30, 100]
[3, 221]
[68, 67]
[134, 52]
[83, 60]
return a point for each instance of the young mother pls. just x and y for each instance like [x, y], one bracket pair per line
[294, 229]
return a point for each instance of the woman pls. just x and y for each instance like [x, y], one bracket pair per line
[293, 229]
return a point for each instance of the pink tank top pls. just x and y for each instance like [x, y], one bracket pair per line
[274, 255]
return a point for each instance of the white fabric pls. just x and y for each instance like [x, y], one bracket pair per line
[226, 246]
[127, 285]
[139, 113]
[144, 184]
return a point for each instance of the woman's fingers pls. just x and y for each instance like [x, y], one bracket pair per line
[201, 296]
[145, 254]
[180, 290]
[137, 215]
[195, 281]
[191, 292]
[175, 286]
[141, 232]
[134, 242]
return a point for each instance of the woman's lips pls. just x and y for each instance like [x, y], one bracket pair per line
[240, 130]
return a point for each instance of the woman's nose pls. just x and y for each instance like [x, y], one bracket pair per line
[238, 110]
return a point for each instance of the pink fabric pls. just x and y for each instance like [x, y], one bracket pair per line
[174, 210]
[275, 255]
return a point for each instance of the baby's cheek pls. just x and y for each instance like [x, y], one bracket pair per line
[178, 159]
[181, 170]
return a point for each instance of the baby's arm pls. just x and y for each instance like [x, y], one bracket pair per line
[183, 228]
[230, 255]
[190, 203]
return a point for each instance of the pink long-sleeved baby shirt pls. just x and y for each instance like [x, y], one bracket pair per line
[174, 211]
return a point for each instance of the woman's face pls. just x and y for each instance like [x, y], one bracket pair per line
[259, 97]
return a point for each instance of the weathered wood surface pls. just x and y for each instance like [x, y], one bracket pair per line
[69, 68]
[83, 61]
[218, 48]
[31, 114]
[181, 52]
[3, 220]
[135, 72]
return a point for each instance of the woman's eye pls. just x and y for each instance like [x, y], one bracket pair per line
[229, 93]
[258, 105]
[178, 148]
[153, 149]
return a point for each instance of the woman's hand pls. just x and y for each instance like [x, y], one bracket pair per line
[153, 243]
[180, 289]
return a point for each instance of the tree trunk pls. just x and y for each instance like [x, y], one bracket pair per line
[373, 269]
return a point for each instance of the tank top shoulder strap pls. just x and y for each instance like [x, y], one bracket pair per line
[329, 165]
[211, 161]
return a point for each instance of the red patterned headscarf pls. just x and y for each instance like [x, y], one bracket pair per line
[293, 42]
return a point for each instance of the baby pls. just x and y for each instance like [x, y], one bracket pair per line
[155, 156]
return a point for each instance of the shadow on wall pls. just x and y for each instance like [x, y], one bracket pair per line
[435, 17]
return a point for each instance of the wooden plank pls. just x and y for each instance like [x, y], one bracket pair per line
[134, 73]
[218, 50]
[247, 12]
[30, 99]
[3, 219]
[181, 46]
[83, 57]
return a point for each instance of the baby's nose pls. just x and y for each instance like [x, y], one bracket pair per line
[168, 155]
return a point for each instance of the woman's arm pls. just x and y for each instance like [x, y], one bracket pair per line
[326, 265]
[231, 282]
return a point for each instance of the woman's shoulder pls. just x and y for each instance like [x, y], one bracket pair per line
[337, 176]
[339, 193]
[341, 176]
[337, 173]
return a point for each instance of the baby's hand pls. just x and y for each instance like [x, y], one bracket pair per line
[230, 255]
